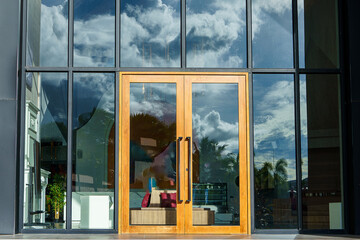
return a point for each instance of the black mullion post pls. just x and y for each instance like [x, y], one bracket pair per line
[117, 35]
[297, 110]
[249, 33]
[21, 117]
[251, 131]
[251, 126]
[183, 33]
[343, 111]
[69, 153]
[71, 34]
[117, 113]
[69, 132]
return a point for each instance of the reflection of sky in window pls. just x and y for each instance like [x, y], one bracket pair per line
[216, 33]
[215, 114]
[92, 92]
[303, 122]
[47, 33]
[155, 99]
[94, 33]
[272, 34]
[301, 32]
[274, 126]
[150, 33]
[53, 98]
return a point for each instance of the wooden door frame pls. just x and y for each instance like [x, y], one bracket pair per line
[244, 171]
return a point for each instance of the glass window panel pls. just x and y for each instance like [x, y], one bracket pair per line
[272, 36]
[274, 152]
[215, 169]
[94, 33]
[47, 33]
[152, 154]
[318, 33]
[216, 33]
[45, 162]
[93, 163]
[150, 33]
[322, 195]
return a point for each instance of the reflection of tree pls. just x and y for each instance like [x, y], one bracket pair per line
[147, 126]
[149, 138]
[271, 182]
[211, 164]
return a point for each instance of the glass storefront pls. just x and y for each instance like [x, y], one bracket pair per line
[76, 51]
[275, 186]
[46, 141]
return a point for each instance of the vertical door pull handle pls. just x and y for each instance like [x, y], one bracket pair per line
[179, 171]
[189, 168]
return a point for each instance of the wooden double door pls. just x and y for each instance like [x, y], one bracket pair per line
[184, 153]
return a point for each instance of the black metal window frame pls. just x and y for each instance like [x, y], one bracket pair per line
[296, 71]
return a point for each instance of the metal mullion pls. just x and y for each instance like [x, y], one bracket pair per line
[21, 116]
[183, 33]
[297, 111]
[343, 114]
[249, 33]
[251, 136]
[273, 70]
[74, 69]
[318, 71]
[46, 69]
[117, 137]
[71, 33]
[298, 147]
[117, 33]
[69, 153]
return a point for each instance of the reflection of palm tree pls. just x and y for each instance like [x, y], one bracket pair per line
[270, 182]
[280, 172]
[211, 164]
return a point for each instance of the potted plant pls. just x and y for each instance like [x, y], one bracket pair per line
[57, 195]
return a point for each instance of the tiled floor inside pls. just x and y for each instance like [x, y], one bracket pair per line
[156, 236]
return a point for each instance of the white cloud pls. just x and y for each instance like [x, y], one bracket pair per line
[144, 29]
[261, 8]
[221, 29]
[94, 41]
[53, 36]
[213, 127]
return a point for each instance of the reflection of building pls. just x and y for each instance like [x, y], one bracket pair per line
[62, 127]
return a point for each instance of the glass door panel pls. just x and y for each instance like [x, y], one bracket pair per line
[215, 124]
[151, 109]
[152, 154]
[215, 154]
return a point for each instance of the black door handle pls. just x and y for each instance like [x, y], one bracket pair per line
[189, 168]
[179, 171]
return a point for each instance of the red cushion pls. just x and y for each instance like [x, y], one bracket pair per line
[146, 200]
[168, 200]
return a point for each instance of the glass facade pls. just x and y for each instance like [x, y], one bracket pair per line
[93, 158]
[207, 45]
[75, 50]
[47, 33]
[46, 141]
[275, 187]
[272, 34]
[94, 33]
[321, 181]
[152, 36]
